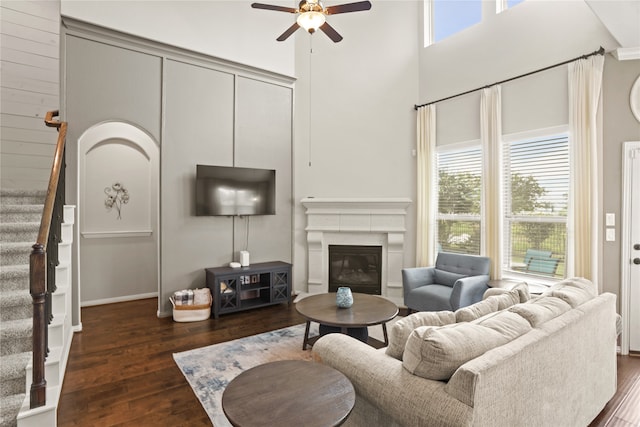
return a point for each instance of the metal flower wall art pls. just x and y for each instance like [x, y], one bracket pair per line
[117, 196]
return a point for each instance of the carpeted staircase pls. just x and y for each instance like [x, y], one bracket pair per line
[20, 216]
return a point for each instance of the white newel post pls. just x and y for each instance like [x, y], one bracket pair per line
[368, 222]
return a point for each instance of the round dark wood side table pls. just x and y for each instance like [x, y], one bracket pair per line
[289, 393]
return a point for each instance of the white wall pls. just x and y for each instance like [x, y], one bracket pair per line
[227, 29]
[539, 101]
[531, 35]
[619, 126]
[30, 52]
[355, 122]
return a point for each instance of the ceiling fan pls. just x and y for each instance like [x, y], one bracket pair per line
[313, 15]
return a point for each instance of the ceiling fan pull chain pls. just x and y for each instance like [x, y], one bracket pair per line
[310, 93]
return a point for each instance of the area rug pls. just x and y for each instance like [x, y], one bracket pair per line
[209, 369]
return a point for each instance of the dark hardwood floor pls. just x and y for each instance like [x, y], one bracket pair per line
[121, 369]
[623, 410]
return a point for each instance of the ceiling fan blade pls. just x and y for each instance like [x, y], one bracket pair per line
[292, 29]
[329, 31]
[349, 7]
[273, 7]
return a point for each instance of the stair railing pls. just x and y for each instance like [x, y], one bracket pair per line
[43, 262]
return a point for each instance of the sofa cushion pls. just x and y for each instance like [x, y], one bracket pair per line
[399, 332]
[541, 309]
[574, 291]
[521, 287]
[506, 299]
[477, 310]
[573, 296]
[582, 283]
[436, 352]
[442, 277]
[523, 291]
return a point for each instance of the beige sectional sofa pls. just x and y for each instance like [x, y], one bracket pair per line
[505, 361]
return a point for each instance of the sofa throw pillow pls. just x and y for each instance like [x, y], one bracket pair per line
[436, 353]
[541, 310]
[506, 299]
[447, 278]
[477, 310]
[399, 332]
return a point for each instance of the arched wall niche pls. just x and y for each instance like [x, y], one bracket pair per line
[118, 206]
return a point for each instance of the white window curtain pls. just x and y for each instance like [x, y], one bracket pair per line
[426, 207]
[492, 188]
[585, 83]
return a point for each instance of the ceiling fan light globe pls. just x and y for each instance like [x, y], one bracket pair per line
[311, 21]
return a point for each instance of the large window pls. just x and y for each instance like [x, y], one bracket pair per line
[450, 17]
[443, 18]
[536, 188]
[459, 189]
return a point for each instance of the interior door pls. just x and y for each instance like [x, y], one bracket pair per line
[631, 246]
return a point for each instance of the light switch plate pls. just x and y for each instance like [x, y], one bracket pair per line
[611, 235]
[611, 220]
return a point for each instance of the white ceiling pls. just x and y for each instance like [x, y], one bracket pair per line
[622, 20]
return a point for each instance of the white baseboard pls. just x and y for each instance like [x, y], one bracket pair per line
[118, 299]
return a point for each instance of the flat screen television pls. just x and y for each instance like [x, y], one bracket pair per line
[233, 191]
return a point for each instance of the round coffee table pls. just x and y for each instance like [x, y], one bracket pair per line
[289, 393]
[367, 310]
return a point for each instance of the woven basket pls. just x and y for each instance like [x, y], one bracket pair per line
[191, 313]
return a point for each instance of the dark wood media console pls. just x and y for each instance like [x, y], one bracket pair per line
[244, 288]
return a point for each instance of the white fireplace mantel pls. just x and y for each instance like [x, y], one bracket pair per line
[356, 221]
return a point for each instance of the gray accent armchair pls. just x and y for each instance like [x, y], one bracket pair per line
[456, 281]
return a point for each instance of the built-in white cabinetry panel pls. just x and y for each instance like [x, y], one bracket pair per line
[198, 129]
[263, 140]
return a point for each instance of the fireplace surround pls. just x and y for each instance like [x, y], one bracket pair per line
[356, 222]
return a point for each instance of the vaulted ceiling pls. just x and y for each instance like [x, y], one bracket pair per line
[622, 20]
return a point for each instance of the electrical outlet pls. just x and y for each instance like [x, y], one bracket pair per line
[611, 235]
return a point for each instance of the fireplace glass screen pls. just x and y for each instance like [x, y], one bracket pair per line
[358, 267]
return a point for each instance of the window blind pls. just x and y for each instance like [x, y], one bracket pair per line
[459, 196]
[536, 196]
